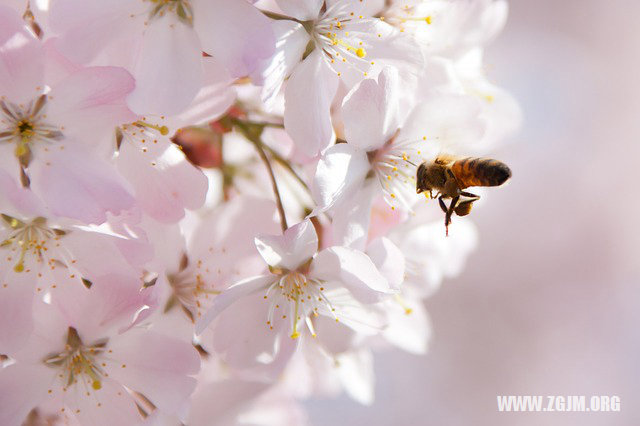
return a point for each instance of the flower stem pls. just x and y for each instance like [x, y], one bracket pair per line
[254, 138]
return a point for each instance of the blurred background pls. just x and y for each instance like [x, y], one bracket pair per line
[549, 304]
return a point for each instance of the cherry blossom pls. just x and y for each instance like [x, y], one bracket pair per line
[332, 46]
[382, 148]
[208, 208]
[77, 362]
[169, 38]
[304, 286]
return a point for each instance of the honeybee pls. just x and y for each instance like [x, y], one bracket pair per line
[449, 176]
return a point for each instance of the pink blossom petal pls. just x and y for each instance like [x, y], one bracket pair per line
[388, 259]
[230, 296]
[357, 375]
[157, 366]
[231, 396]
[292, 40]
[306, 116]
[110, 405]
[169, 69]
[298, 244]
[340, 173]
[351, 218]
[165, 183]
[245, 342]
[16, 295]
[14, 198]
[214, 98]
[452, 122]
[408, 330]
[90, 102]
[303, 10]
[352, 268]
[21, 59]
[22, 387]
[235, 33]
[217, 231]
[84, 25]
[371, 112]
[111, 303]
[79, 186]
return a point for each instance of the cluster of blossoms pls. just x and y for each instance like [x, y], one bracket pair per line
[208, 207]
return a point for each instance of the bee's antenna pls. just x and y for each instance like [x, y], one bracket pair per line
[411, 162]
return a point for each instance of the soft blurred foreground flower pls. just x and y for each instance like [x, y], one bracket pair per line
[80, 365]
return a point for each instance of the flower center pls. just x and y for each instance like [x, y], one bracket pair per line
[25, 126]
[336, 34]
[395, 166]
[182, 9]
[189, 290]
[79, 361]
[29, 238]
[299, 297]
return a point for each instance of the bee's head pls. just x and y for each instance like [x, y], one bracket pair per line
[422, 179]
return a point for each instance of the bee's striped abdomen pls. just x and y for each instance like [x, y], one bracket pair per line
[480, 172]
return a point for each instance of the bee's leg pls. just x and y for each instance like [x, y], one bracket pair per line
[447, 218]
[470, 195]
[443, 206]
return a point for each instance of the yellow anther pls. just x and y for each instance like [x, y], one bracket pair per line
[19, 267]
[428, 20]
[97, 385]
[164, 130]
[361, 53]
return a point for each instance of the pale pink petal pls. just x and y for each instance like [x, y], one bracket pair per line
[213, 99]
[79, 186]
[218, 233]
[292, 39]
[83, 25]
[371, 112]
[388, 259]
[306, 116]
[451, 123]
[111, 303]
[22, 387]
[355, 320]
[169, 68]
[16, 295]
[10, 24]
[352, 268]
[409, 327]
[303, 10]
[231, 396]
[246, 343]
[340, 173]
[298, 244]
[357, 375]
[90, 102]
[231, 295]
[14, 198]
[21, 59]
[157, 366]
[235, 33]
[165, 183]
[108, 406]
[351, 218]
